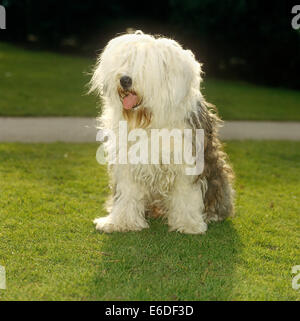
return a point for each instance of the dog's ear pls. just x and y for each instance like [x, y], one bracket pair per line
[182, 72]
[179, 75]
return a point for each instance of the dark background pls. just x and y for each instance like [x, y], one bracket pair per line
[250, 40]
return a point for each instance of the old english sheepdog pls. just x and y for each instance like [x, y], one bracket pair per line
[153, 83]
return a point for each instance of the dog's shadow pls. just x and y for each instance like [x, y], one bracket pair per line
[157, 265]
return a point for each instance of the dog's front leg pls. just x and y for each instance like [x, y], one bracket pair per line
[128, 208]
[186, 207]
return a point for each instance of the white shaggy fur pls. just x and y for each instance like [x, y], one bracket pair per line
[167, 77]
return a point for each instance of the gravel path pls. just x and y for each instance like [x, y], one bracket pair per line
[74, 129]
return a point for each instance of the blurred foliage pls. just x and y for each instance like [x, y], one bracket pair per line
[250, 40]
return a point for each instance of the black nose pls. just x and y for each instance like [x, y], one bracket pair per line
[125, 82]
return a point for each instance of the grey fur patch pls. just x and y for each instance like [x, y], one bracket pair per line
[219, 197]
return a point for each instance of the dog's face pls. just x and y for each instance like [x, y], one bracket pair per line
[138, 71]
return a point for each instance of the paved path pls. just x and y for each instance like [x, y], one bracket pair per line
[73, 129]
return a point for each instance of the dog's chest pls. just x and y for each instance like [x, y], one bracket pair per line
[158, 179]
[155, 168]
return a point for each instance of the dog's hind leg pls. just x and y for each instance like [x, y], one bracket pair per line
[219, 197]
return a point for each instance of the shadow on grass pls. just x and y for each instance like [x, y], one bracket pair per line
[157, 265]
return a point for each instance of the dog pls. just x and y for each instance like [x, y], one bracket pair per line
[153, 83]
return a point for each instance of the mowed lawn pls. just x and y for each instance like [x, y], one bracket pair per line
[38, 83]
[51, 193]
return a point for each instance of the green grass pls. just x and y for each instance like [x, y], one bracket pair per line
[37, 83]
[244, 101]
[51, 193]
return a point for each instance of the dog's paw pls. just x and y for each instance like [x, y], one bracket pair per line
[103, 224]
[107, 225]
[209, 218]
[199, 228]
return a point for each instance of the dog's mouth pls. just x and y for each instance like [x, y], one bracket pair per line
[129, 98]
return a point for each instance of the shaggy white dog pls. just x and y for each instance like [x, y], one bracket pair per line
[153, 83]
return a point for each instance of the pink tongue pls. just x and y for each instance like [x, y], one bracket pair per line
[130, 101]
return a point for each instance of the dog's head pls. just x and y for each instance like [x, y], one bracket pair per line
[141, 75]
